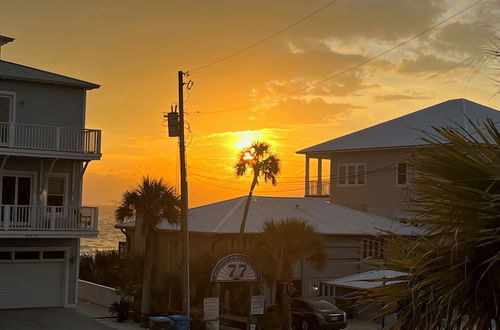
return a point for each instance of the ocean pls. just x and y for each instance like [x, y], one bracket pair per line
[108, 237]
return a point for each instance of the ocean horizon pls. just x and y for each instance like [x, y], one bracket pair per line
[108, 237]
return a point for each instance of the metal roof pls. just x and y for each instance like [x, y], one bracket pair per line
[365, 280]
[329, 219]
[406, 131]
[5, 40]
[14, 71]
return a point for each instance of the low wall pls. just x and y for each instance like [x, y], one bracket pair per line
[96, 293]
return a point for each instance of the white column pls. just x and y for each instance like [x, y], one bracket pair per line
[320, 183]
[307, 176]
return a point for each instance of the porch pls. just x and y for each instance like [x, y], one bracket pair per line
[50, 138]
[317, 185]
[35, 219]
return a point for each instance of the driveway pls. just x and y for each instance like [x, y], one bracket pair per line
[47, 319]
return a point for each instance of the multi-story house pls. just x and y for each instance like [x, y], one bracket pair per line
[44, 152]
[369, 170]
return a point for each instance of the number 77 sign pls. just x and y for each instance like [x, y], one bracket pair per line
[235, 267]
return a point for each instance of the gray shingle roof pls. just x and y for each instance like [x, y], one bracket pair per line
[14, 71]
[406, 131]
[329, 219]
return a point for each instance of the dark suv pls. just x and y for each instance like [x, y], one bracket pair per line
[316, 314]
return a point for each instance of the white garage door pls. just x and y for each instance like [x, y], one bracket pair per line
[31, 283]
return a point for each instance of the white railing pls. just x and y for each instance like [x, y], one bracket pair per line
[318, 188]
[69, 139]
[51, 218]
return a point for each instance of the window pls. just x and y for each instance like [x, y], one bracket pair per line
[371, 248]
[26, 255]
[352, 174]
[402, 173]
[53, 255]
[55, 194]
[5, 105]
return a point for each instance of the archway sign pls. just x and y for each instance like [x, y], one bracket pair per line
[236, 267]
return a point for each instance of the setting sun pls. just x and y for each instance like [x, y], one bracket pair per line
[245, 138]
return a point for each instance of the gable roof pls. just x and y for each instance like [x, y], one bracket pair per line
[14, 71]
[406, 131]
[329, 219]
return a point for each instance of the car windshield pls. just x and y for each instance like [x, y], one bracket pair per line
[321, 305]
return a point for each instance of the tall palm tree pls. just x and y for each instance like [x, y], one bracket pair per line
[283, 244]
[454, 267]
[151, 202]
[258, 159]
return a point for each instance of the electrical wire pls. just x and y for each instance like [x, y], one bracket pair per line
[328, 78]
[201, 67]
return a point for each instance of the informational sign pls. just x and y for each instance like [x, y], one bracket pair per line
[257, 305]
[236, 268]
[210, 308]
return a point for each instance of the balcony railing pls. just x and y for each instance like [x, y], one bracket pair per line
[53, 138]
[47, 218]
[318, 188]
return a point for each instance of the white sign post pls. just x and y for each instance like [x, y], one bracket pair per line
[211, 308]
[257, 305]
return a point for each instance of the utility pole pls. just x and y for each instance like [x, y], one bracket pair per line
[184, 204]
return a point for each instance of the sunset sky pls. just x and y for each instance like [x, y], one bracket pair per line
[134, 49]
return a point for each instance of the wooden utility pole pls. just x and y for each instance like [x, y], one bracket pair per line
[184, 204]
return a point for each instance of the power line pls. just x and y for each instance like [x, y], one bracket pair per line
[201, 67]
[369, 60]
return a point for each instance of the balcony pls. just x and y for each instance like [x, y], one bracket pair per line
[48, 221]
[317, 188]
[19, 138]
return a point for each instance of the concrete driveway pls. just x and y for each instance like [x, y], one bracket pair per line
[47, 319]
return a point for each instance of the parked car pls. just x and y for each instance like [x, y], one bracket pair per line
[316, 314]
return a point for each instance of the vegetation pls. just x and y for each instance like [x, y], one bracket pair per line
[283, 244]
[120, 309]
[454, 268]
[152, 201]
[100, 267]
[258, 159]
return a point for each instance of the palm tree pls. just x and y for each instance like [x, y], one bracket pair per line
[262, 163]
[283, 244]
[454, 267]
[151, 202]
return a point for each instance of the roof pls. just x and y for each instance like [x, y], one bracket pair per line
[365, 280]
[329, 219]
[14, 71]
[406, 131]
[5, 40]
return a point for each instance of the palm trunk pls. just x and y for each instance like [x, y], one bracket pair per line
[245, 212]
[286, 299]
[146, 280]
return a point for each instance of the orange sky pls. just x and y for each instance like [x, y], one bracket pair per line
[135, 48]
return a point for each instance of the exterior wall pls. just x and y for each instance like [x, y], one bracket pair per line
[97, 294]
[33, 166]
[344, 256]
[44, 104]
[71, 243]
[380, 194]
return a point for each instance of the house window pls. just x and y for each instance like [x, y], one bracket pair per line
[5, 105]
[352, 174]
[371, 248]
[402, 173]
[55, 194]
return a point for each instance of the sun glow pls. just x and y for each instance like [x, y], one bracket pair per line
[244, 139]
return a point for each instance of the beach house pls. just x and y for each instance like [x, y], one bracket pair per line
[44, 152]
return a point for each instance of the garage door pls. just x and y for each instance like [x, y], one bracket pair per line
[27, 282]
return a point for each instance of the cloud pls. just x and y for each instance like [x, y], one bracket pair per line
[426, 64]
[398, 97]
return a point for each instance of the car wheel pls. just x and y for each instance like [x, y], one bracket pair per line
[304, 325]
